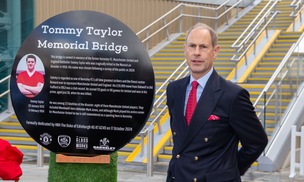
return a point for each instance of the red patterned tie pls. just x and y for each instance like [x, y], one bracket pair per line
[191, 102]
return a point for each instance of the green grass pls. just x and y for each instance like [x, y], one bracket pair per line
[77, 172]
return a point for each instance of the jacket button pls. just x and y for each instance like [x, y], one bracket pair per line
[195, 158]
[194, 180]
[177, 156]
[206, 139]
[174, 133]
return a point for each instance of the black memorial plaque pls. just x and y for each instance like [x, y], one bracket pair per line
[97, 84]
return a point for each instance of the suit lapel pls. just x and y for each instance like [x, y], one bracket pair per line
[179, 103]
[204, 108]
[181, 95]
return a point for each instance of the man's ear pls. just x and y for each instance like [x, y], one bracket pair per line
[185, 47]
[216, 51]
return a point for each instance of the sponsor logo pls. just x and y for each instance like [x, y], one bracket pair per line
[103, 145]
[64, 140]
[82, 142]
[45, 139]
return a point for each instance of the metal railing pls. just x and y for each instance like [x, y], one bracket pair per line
[3, 80]
[298, 7]
[6, 81]
[287, 76]
[4, 21]
[250, 35]
[173, 20]
[182, 70]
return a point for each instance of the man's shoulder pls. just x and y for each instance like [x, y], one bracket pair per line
[38, 73]
[179, 81]
[229, 85]
[172, 85]
[23, 73]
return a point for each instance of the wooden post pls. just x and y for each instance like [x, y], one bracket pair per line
[100, 159]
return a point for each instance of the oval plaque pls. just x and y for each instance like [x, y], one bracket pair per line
[82, 84]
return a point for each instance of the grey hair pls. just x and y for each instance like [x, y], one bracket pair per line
[213, 34]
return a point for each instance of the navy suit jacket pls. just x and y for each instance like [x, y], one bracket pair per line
[207, 150]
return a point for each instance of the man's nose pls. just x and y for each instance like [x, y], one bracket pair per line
[197, 50]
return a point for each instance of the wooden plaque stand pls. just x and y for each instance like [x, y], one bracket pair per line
[100, 159]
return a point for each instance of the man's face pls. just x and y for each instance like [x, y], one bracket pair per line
[199, 52]
[30, 64]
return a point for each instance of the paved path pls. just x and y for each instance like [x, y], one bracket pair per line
[137, 173]
[32, 173]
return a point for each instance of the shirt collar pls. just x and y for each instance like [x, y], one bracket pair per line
[30, 73]
[202, 81]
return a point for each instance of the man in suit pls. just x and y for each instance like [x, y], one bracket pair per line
[206, 149]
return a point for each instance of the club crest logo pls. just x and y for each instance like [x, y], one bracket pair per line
[45, 138]
[104, 142]
[103, 145]
[64, 140]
